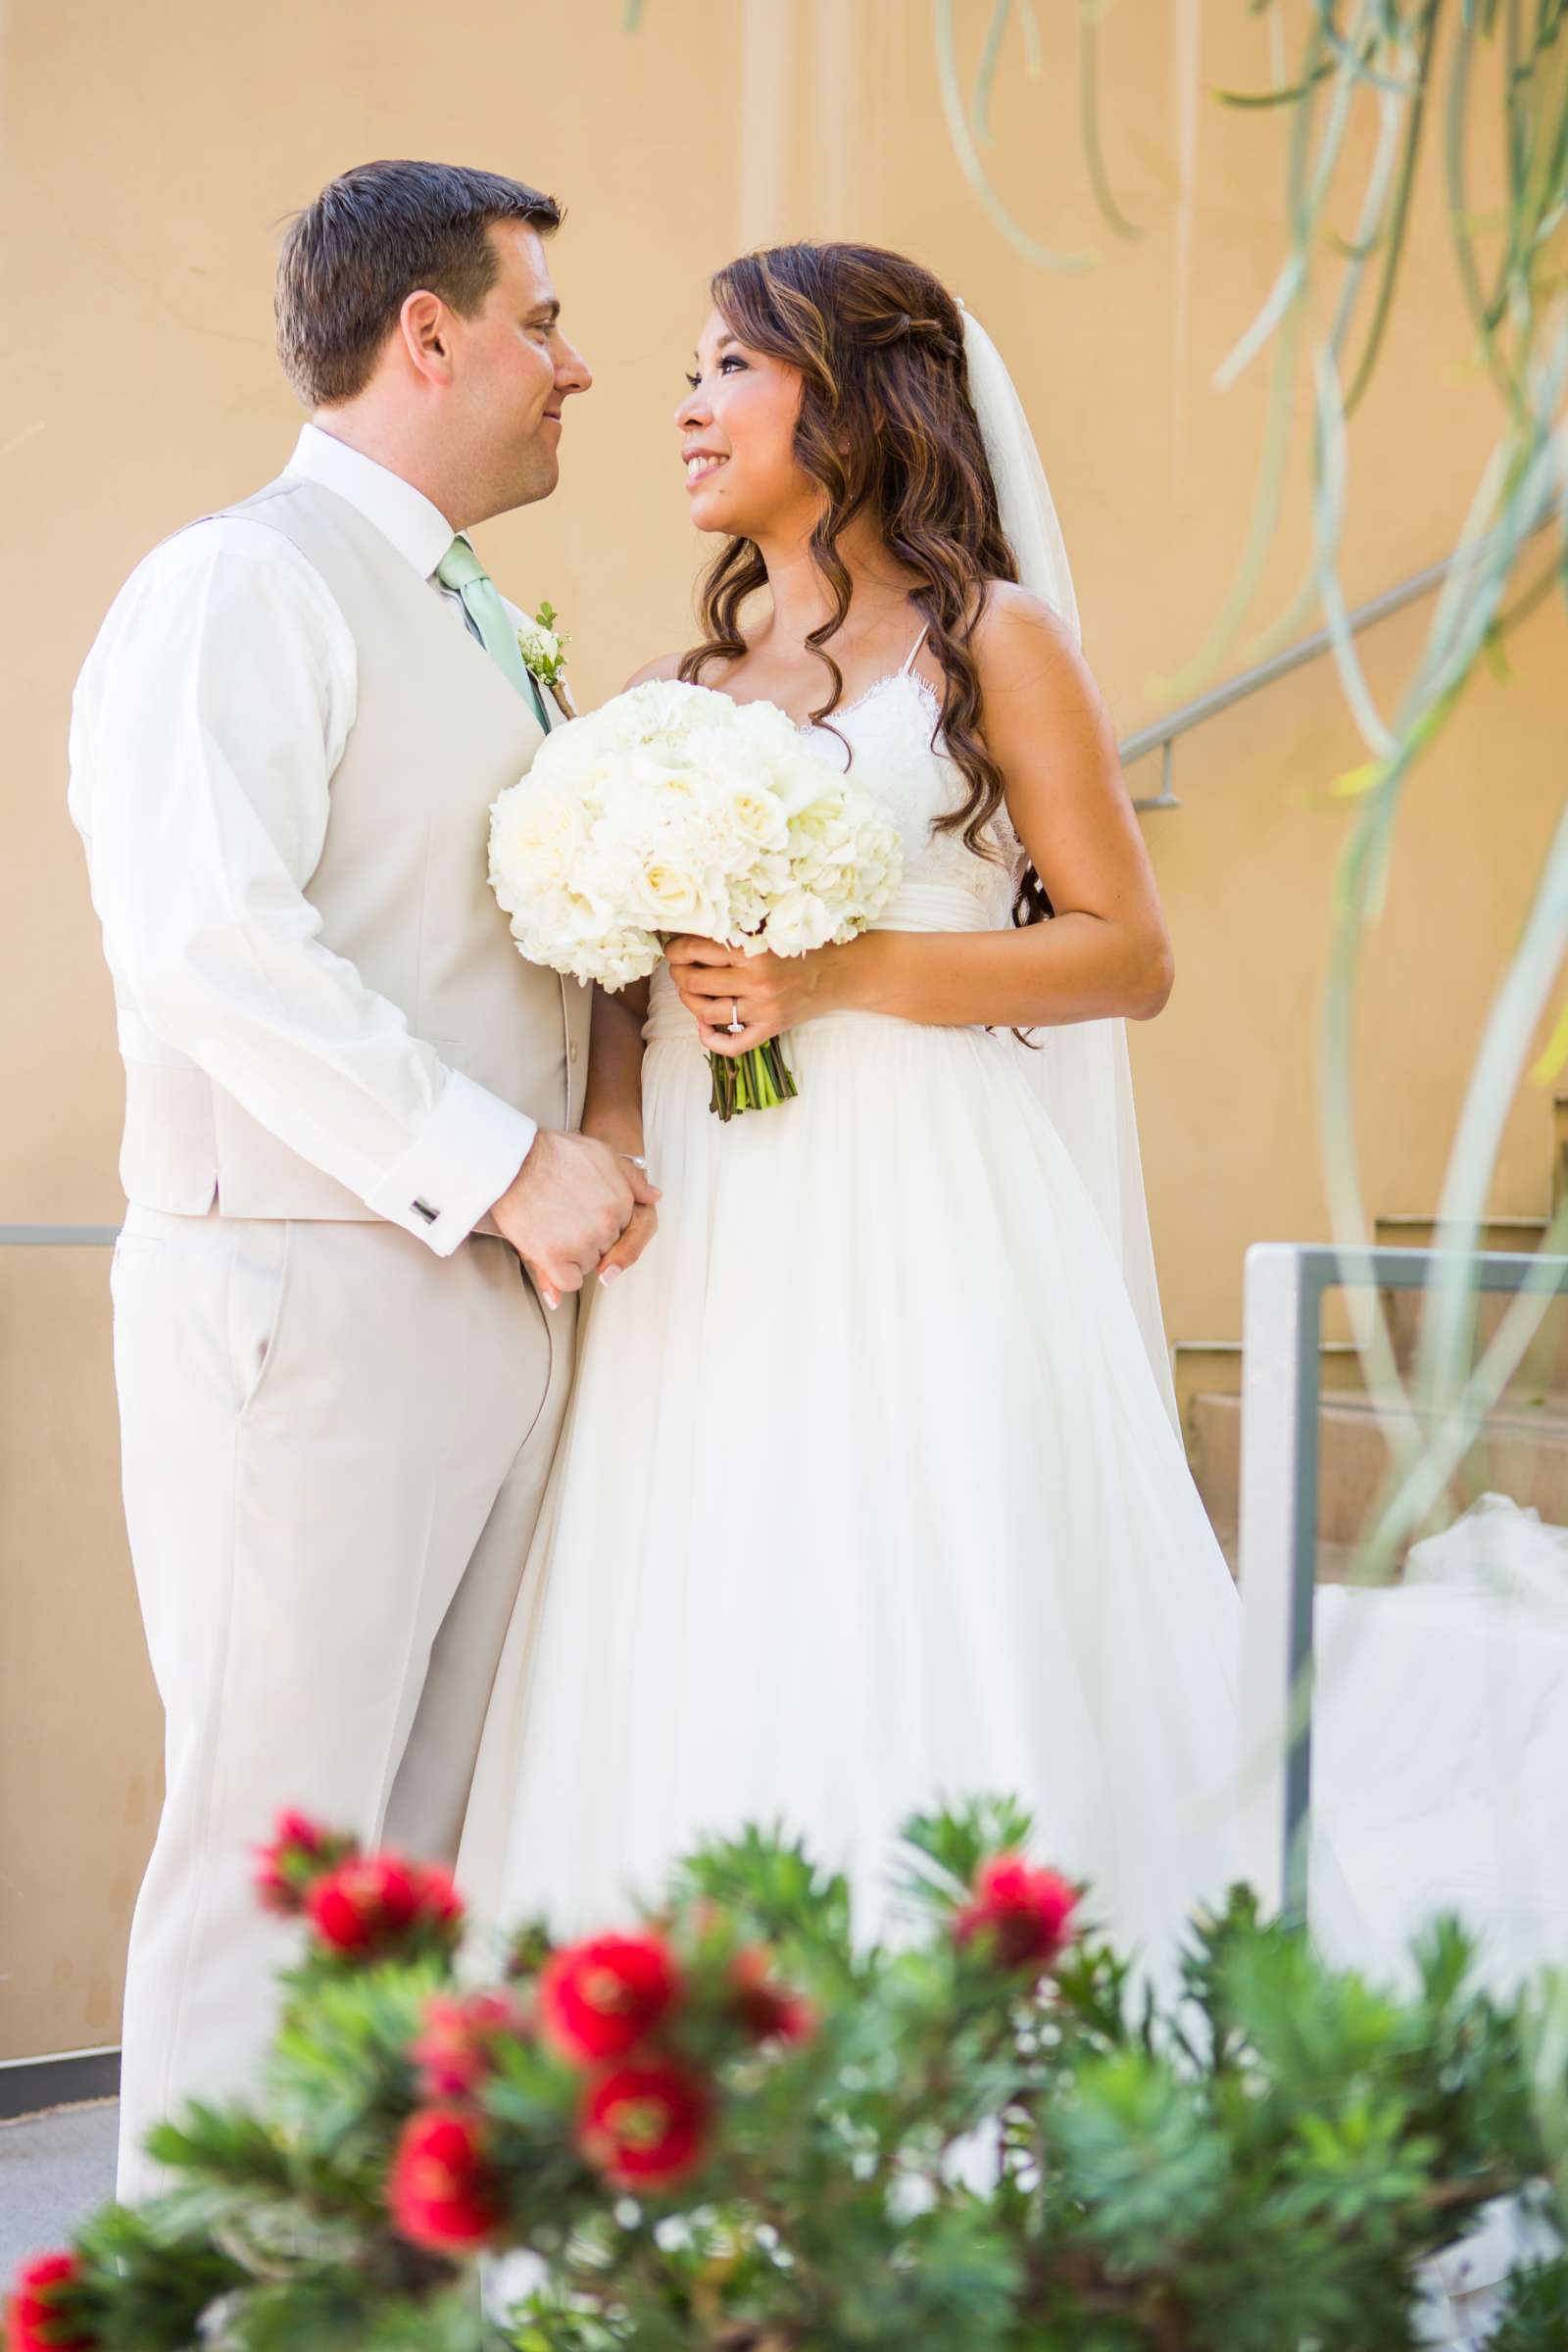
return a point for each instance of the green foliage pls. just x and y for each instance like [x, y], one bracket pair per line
[340, 2072]
[149, 2284]
[958, 2155]
[1538, 2316]
[1139, 2152]
[770, 1887]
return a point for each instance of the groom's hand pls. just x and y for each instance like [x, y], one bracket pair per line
[567, 1206]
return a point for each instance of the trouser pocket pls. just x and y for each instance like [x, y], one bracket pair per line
[256, 1292]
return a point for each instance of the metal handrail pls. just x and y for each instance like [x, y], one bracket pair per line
[58, 1236]
[1161, 736]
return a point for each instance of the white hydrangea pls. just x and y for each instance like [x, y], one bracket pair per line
[675, 810]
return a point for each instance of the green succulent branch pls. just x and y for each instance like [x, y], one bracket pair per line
[1393, 241]
[1387, 54]
[968, 113]
[1002, 15]
[1091, 16]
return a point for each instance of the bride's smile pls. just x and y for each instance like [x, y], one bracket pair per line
[737, 429]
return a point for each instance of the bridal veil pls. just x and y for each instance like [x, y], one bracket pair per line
[1080, 1069]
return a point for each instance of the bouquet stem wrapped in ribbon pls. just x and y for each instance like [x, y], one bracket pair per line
[674, 810]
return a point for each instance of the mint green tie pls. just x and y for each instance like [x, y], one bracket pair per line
[461, 569]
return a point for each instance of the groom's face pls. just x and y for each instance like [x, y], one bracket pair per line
[513, 371]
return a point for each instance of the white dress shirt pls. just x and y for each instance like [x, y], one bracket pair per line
[207, 723]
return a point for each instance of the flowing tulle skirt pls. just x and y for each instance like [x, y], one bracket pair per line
[867, 1499]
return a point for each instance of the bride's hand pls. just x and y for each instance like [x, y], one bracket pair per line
[624, 1138]
[630, 1246]
[769, 992]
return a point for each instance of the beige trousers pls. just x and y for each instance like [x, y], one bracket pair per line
[334, 1448]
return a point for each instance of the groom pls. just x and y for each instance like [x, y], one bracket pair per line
[350, 1106]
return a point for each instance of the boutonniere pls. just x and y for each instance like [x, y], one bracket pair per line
[542, 648]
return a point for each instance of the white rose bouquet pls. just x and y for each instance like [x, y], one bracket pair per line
[675, 810]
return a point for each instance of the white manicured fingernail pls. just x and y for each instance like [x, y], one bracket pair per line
[610, 1274]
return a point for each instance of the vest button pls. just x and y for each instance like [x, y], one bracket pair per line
[571, 1053]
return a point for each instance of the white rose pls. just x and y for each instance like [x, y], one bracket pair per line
[541, 647]
[672, 896]
[753, 816]
[796, 923]
[820, 837]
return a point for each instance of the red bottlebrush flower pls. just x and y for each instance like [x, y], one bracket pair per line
[377, 1904]
[300, 1851]
[441, 2191]
[456, 2050]
[646, 2126]
[441, 1902]
[294, 1828]
[1025, 1913]
[767, 2011]
[601, 1999]
[37, 2310]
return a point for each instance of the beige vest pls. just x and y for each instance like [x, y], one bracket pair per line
[400, 887]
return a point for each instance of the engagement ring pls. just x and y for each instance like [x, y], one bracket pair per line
[736, 1024]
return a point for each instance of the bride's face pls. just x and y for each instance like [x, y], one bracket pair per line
[737, 437]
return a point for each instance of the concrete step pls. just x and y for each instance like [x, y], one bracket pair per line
[1522, 1452]
[1519, 1452]
[1425, 1233]
[1213, 1368]
[1335, 1562]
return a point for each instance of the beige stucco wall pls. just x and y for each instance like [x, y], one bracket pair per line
[145, 158]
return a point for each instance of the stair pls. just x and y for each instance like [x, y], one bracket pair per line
[1520, 1454]
[1521, 1451]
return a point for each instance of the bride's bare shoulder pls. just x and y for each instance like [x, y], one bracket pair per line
[1012, 617]
[1022, 646]
[668, 666]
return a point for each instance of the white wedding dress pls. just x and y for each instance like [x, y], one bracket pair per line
[869, 1495]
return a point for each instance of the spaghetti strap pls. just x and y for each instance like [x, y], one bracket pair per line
[910, 656]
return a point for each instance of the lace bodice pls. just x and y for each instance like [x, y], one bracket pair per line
[890, 727]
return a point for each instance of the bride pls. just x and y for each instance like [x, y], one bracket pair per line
[872, 1492]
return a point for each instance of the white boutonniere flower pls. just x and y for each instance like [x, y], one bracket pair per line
[543, 647]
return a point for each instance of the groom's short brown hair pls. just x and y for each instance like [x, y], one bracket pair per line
[373, 237]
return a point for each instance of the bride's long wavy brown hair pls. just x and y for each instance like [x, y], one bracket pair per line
[886, 428]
